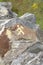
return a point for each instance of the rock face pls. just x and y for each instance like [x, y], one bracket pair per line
[20, 40]
[27, 58]
[29, 17]
[22, 32]
[40, 34]
[6, 4]
[17, 32]
[5, 12]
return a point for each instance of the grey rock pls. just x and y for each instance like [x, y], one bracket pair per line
[28, 17]
[2, 61]
[28, 57]
[27, 24]
[6, 13]
[21, 52]
[6, 4]
[40, 35]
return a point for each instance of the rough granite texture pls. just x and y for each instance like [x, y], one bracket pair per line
[21, 40]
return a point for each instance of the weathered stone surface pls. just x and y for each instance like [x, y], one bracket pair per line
[28, 57]
[6, 4]
[18, 51]
[20, 38]
[40, 34]
[6, 13]
[28, 17]
[27, 23]
[2, 61]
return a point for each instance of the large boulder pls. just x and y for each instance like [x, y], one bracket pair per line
[28, 17]
[19, 41]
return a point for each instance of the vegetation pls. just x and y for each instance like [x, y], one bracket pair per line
[31, 6]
